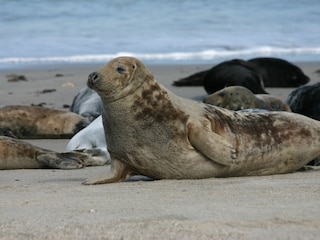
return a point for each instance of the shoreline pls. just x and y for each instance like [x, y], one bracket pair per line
[64, 65]
[67, 79]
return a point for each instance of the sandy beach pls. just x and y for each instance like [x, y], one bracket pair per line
[52, 204]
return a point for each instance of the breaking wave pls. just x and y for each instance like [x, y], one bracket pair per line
[208, 55]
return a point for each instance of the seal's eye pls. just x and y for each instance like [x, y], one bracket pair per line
[120, 70]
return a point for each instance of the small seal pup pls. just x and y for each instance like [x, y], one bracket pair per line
[152, 132]
[91, 140]
[17, 154]
[238, 97]
[40, 122]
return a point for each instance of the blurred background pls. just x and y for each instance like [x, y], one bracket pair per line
[163, 31]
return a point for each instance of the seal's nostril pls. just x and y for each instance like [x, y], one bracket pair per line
[93, 78]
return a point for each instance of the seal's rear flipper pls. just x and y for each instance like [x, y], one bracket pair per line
[96, 156]
[66, 160]
[195, 79]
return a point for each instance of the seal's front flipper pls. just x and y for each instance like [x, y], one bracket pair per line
[66, 160]
[211, 145]
[119, 172]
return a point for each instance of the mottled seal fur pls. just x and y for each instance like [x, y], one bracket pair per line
[87, 103]
[17, 154]
[237, 98]
[40, 122]
[235, 72]
[152, 132]
[306, 100]
[91, 140]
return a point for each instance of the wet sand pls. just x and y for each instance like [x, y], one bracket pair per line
[52, 204]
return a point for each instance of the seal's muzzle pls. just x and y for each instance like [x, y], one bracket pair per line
[92, 79]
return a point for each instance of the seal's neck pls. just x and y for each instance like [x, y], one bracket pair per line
[154, 103]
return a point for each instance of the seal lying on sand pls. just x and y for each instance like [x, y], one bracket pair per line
[275, 72]
[235, 72]
[87, 103]
[152, 132]
[306, 100]
[91, 140]
[17, 154]
[237, 98]
[40, 122]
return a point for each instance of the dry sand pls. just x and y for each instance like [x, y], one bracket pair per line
[52, 204]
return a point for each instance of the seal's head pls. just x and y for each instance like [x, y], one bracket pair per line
[233, 98]
[119, 78]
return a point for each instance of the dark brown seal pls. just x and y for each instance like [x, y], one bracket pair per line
[275, 72]
[152, 132]
[235, 72]
[306, 100]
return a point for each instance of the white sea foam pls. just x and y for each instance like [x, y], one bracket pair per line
[208, 55]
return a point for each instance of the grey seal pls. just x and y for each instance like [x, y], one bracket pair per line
[40, 122]
[155, 133]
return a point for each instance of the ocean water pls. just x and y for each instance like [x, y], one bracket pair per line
[159, 31]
